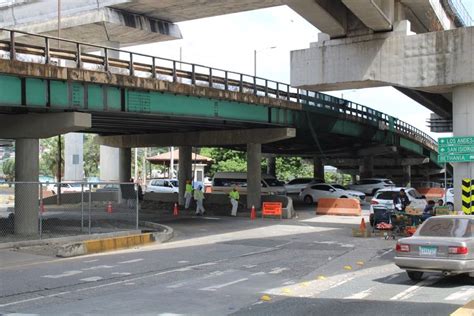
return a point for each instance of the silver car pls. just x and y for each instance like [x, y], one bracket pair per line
[442, 244]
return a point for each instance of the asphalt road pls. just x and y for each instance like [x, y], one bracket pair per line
[218, 266]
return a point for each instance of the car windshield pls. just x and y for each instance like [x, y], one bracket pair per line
[273, 182]
[447, 227]
[174, 183]
[338, 186]
[386, 195]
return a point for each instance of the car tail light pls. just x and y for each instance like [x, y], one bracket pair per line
[374, 202]
[402, 248]
[458, 250]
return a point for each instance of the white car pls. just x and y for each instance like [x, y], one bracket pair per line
[312, 193]
[448, 198]
[372, 185]
[68, 187]
[384, 197]
[297, 185]
[163, 186]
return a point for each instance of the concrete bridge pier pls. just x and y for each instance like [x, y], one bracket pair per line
[271, 166]
[115, 164]
[406, 176]
[318, 168]
[366, 169]
[26, 194]
[254, 175]
[185, 170]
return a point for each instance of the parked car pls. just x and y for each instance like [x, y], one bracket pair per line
[372, 185]
[312, 193]
[297, 185]
[443, 244]
[448, 198]
[67, 187]
[110, 187]
[163, 186]
[224, 181]
[384, 197]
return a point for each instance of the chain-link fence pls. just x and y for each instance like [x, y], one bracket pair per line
[34, 210]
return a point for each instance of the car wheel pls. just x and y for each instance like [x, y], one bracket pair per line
[374, 191]
[451, 206]
[415, 275]
[308, 199]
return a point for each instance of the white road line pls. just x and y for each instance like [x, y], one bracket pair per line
[463, 295]
[131, 261]
[258, 273]
[62, 275]
[121, 273]
[384, 253]
[88, 261]
[220, 286]
[98, 268]
[249, 266]
[211, 218]
[412, 289]
[278, 270]
[341, 282]
[92, 279]
[360, 295]
[33, 299]
[183, 261]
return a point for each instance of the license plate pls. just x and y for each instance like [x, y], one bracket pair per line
[427, 251]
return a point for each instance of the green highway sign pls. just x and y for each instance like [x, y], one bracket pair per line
[456, 149]
[456, 141]
[456, 158]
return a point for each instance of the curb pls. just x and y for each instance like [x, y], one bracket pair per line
[466, 310]
[101, 244]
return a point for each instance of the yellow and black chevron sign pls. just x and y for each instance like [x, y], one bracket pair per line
[467, 196]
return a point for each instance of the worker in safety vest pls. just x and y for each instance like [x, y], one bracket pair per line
[188, 194]
[199, 197]
[234, 200]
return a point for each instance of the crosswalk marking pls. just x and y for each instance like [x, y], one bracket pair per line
[62, 275]
[412, 289]
[462, 295]
[360, 295]
[216, 287]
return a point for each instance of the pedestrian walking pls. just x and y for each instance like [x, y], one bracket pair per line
[199, 197]
[234, 200]
[188, 194]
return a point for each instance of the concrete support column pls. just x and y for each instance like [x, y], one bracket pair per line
[366, 169]
[254, 175]
[354, 178]
[26, 195]
[271, 166]
[184, 170]
[463, 118]
[74, 157]
[125, 164]
[406, 177]
[318, 168]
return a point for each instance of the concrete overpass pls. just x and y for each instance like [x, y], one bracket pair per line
[146, 103]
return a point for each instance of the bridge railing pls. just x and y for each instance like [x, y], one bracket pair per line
[63, 52]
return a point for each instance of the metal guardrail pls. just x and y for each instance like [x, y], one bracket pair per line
[137, 64]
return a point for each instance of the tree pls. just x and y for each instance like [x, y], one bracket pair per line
[9, 169]
[49, 156]
[91, 156]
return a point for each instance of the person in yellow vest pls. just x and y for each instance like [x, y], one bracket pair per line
[234, 200]
[199, 197]
[188, 194]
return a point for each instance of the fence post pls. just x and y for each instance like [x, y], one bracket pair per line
[46, 51]
[41, 212]
[137, 206]
[277, 90]
[12, 46]
[210, 77]
[266, 87]
[241, 83]
[90, 206]
[82, 207]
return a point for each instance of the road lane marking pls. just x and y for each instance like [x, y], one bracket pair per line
[249, 266]
[92, 279]
[121, 273]
[183, 261]
[341, 282]
[360, 295]
[258, 273]
[62, 275]
[131, 261]
[88, 261]
[462, 295]
[384, 253]
[412, 289]
[220, 286]
[277, 270]
[98, 268]
[33, 299]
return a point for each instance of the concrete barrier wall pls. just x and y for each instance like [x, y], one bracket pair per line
[343, 207]
[75, 198]
[431, 193]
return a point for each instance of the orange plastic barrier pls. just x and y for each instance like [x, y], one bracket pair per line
[344, 207]
[431, 193]
[272, 209]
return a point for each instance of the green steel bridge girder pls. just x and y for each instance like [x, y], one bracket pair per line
[36, 94]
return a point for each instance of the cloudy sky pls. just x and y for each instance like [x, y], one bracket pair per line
[228, 42]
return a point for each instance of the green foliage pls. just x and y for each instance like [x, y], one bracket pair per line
[91, 156]
[225, 160]
[288, 168]
[9, 169]
[49, 156]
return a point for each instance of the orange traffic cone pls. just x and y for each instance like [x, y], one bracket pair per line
[41, 207]
[253, 214]
[175, 209]
[109, 207]
[362, 224]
